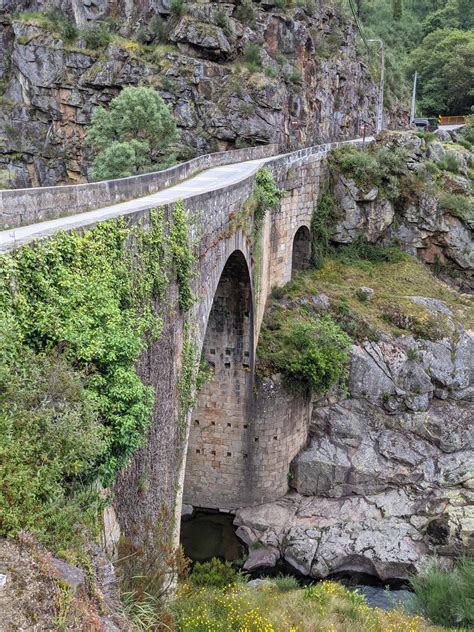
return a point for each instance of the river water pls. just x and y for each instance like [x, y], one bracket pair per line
[209, 534]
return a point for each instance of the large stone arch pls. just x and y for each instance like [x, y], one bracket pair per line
[217, 463]
[301, 252]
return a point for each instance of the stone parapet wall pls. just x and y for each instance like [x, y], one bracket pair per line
[20, 207]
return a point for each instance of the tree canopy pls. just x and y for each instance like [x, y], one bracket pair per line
[433, 37]
[131, 136]
[445, 63]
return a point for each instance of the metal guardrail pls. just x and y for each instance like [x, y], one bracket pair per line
[451, 120]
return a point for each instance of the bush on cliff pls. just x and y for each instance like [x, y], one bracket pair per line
[311, 353]
[132, 135]
[51, 434]
[373, 166]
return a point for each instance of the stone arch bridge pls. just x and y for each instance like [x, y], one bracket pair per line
[239, 444]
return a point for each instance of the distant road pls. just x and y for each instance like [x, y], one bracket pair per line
[448, 128]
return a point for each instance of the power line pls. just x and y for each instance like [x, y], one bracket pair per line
[357, 23]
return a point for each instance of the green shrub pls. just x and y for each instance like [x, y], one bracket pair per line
[311, 353]
[280, 58]
[252, 55]
[158, 28]
[285, 583]
[51, 438]
[177, 7]
[457, 204]
[380, 167]
[449, 163]
[294, 76]
[361, 250]
[96, 36]
[447, 597]
[246, 13]
[465, 143]
[321, 229]
[53, 20]
[270, 72]
[467, 131]
[428, 137]
[213, 573]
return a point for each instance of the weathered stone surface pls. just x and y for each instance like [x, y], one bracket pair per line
[418, 219]
[387, 478]
[52, 87]
[264, 557]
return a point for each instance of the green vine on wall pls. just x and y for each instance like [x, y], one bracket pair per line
[76, 313]
[266, 197]
[181, 256]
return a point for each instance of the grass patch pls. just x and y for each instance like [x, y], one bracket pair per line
[52, 20]
[393, 276]
[459, 205]
[323, 607]
[447, 597]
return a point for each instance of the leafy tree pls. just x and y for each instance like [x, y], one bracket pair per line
[51, 436]
[397, 9]
[131, 136]
[445, 63]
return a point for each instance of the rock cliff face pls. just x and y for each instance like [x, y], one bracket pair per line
[234, 74]
[431, 213]
[387, 478]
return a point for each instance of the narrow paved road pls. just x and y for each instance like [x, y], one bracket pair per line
[449, 128]
[210, 180]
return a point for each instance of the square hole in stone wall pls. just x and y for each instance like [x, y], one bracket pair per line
[213, 423]
[229, 453]
[198, 451]
[228, 351]
[213, 452]
[246, 426]
[196, 422]
[227, 365]
[229, 424]
[213, 351]
[275, 438]
[256, 439]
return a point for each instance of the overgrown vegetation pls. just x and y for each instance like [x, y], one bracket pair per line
[76, 313]
[321, 229]
[394, 276]
[375, 166]
[279, 604]
[310, 352]
[447, 596]
[132, 135]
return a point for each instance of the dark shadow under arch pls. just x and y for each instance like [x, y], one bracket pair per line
[301, 255]
[217, 451]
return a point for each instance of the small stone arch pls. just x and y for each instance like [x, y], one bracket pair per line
[216, 462]
[301, 255]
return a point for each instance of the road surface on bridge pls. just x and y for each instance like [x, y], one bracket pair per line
[206, 181]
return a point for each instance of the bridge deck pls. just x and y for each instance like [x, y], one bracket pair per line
[210, 180]
[204, 182]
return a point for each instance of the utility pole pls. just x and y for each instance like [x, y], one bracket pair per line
[413, 99]
[379, 119]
